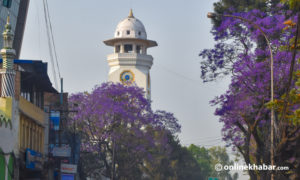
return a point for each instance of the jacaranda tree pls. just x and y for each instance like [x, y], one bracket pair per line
[119, 131]
[241, 51]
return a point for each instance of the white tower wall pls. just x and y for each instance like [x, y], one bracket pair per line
[130, 64]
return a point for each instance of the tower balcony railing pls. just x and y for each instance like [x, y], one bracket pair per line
[132, 55]
[130, 59]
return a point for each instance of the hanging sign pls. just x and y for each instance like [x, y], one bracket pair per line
[33, 159]
[67, 177]
[55, 118]
[64, 151]
[68, 168]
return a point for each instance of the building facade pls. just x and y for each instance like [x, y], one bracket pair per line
[23, 121]
[18, 14]
[130, 64]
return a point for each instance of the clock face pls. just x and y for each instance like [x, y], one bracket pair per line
[127, 77]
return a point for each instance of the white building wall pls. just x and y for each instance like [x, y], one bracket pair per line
[10, 136]
[140, 75]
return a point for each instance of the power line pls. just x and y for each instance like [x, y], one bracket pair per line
[208, 140]
[204, 143]
[53, 43]
[211, 137]
[47, 21]
[39, 28]
[178, 74]
[191, 80]
[210, 145]
[49, 45]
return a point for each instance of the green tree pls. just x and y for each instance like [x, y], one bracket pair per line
[219, 155]
[208, 158]
[202, 156]
[177, 165]
[228, 6]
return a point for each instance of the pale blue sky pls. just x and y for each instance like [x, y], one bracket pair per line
[181, 30]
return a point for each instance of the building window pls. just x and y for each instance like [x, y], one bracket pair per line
[23, 133]
[27, 144]
[118, 33]
[117, 48]
[139, 49]
[128, 48]
[139, 33]
[128, 32]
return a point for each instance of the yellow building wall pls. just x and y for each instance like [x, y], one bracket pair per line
[31, 129]
[31, 134]
[5, 109]
[31, 110]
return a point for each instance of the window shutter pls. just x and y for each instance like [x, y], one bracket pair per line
[7, 3]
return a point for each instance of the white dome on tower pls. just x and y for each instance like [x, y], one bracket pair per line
[131, 27]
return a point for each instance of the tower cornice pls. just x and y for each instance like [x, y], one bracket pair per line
[113, 41]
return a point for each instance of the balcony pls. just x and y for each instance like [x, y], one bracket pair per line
[129, 59]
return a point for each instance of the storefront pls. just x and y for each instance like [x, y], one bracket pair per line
[68, 171]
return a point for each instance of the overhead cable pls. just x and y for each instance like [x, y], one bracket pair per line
[50, 44]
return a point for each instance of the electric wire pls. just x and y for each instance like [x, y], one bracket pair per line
[191, 80]
[208, 140]
[39, 28]
[49, 45]
[202, 141]
[53, 42]
[205, 141]
[211, 145]
[199, 138]
[176, 73]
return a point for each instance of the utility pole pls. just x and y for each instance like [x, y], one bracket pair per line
[61, 119]
[113, 160]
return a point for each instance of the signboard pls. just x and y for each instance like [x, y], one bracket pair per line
[64, 151]
[67, 177]
[55, 118]
[213, 178]
[68, 168]
[33, 159]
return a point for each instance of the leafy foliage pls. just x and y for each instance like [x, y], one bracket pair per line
[208, 158]
[179, 164]
[243, 108]
[118, 127]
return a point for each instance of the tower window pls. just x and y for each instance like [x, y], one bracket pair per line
[139, 33]
[117, 48]
[128, 48]
[128, 32]
[118, 33]
[138, 49]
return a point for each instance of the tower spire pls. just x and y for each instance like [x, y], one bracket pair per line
[8, 55]
[130, 14]
[7, 20]
[7, 35]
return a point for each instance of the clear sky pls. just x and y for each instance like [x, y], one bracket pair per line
[181, 30]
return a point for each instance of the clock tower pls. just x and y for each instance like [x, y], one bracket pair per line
[130, 64]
